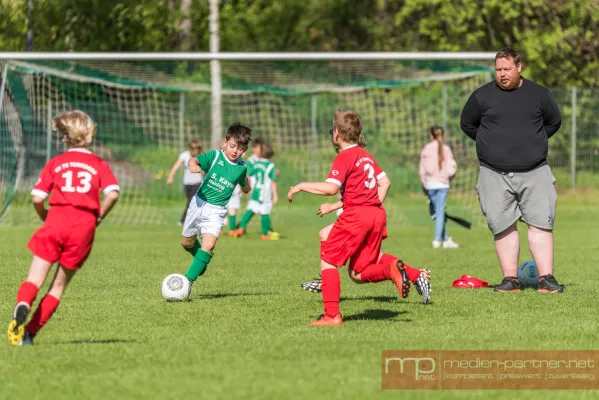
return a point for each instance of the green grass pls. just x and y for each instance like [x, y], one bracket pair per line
[244, 333]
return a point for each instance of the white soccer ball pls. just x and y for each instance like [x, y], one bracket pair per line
[176, 287]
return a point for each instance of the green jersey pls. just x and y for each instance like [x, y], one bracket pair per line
[221, 177]
[263, 172]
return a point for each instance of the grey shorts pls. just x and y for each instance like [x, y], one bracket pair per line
[508, 197]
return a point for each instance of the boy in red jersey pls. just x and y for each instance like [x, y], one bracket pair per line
[74, 178]
[358, 232]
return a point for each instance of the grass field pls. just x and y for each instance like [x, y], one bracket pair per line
[244, 335]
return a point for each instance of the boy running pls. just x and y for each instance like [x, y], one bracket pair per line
[74, 179]
[224, 170]
[358, 232]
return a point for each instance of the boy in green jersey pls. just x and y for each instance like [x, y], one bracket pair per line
[223, 170]
[264, 193]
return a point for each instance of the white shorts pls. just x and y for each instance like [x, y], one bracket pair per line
[235, 200]
[203, 218]
[259, 208]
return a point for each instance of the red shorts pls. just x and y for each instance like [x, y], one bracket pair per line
[66, 236]
[356, 236]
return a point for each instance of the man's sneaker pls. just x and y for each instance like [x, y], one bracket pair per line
[548, 284]
[423, 285]
[450, 244]
[325, 320]
[239, 232]
[400, 278]
[27, 340]
[436, 244]
[315, 286]
[16, 329]
[508, 284]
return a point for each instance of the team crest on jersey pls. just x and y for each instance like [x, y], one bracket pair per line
[335, 172]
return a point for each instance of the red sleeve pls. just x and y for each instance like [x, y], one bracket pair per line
[338, 173]
[108, 182]
[44, 183]
[378, 171]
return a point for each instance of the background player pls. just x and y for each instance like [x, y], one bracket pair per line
[191, 182]
[224, 170]
[358, 232]
[264, 193]
[74, 178]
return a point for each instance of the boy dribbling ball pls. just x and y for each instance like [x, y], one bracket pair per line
[74, 180]
[224, 170]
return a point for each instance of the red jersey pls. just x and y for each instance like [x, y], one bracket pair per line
[356, 172]
[75, 179]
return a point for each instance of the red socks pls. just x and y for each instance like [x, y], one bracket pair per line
[27, 293]
[44, 311]
[331, 291]
[387, 259]
[376, 273]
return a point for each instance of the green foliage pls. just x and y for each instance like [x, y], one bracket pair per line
[557, 38]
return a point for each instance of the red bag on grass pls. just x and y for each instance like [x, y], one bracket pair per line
[469, 282]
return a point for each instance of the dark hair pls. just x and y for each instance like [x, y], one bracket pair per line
[508, 52]
[257, 142]
[242, 134]
[195, 142]
[437, 133]
[266, 151]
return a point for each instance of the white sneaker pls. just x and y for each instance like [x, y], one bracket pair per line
[436, 244]
[450, 244]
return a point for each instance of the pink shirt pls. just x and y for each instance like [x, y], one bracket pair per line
[430, 175]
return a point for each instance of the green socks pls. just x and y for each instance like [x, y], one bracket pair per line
[193, 251]
[232, 222]
[265, 220]
[198, 265]
[246, 218]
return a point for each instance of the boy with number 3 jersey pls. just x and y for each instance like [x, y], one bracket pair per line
[74, 178]
[359, 231]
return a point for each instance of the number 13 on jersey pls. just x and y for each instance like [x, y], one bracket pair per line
[82, 182]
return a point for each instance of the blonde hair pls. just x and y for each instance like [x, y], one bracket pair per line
[349, 125]
[75, 127]
[438, 134]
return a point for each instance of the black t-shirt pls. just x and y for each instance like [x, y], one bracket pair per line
[511, 127]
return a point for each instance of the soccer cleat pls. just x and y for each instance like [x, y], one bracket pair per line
[450, 244]
[232, 233]
[239, 232]
[27, 340]
[400, 278]
[315, 286]
[265, 237]
[423, 285]
[548, 284]
[274, 235]
[325, 320]
[508, 284]
[16, 329]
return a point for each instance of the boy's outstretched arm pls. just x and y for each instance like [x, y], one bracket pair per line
[318, 188]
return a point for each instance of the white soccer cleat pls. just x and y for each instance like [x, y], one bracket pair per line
[450, 244]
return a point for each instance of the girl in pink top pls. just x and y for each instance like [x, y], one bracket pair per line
[437, 169]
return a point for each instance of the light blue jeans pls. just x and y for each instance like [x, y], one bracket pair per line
[439, 199]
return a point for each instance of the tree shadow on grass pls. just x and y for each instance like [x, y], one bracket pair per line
[378, 299]
[95, 341]
[369, 315]
[225, 295]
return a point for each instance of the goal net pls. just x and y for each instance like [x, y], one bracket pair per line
[148, 111]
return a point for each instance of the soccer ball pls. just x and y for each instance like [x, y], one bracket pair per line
[528, 274]
[176, 287]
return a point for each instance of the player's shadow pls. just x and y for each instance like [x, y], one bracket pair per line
[369, 315]
[225, 295]
[97, 341]
[378, 299]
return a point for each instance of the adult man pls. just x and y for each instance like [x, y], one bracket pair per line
[511, 120]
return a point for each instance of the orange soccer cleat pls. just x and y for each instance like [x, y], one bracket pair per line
[239, 232]
[325, 320]
[232, 233]
[400, 278]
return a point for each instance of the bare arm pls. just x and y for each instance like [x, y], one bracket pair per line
[171, 174]
[246, 188]
[329, 207]
[275, 194]
[109, 201]
[383, 186]
[38, 205]
[317, 188]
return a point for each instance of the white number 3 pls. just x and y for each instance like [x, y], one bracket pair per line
[84, 185]
[370, 182]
